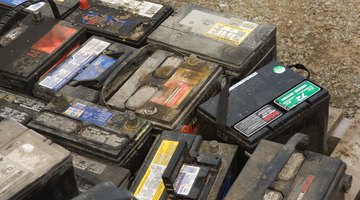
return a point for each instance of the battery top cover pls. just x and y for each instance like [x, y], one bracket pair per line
[29, 49]
[237, 44]
[263, 102]
[166, 86]
[127, 21]
[28, 160]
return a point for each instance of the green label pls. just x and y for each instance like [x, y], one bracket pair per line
[297, 95]
[279, 69]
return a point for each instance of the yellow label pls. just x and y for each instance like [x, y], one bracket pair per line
[151, 185]
[228, 33]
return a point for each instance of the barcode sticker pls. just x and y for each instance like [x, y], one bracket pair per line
[151, 185]
[185, 179]
[73, 64]
[148, 9]
[228, 33]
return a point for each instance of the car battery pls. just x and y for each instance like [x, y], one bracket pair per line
[183, 166]
[275, 171]
[238, 45]
[84, 71]
[129, 21]
[166, 86]
[89, 172]
[33, 167]
[273, 103]
[18, 107]
[30, 48]
[105, 191]
[65, 7]
[95, 131]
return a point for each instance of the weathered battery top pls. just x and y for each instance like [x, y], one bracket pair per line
[25, 157]
[265, 100]
[29, 49]
[276, 171]
[183, 166]
[166, 85]
[127, 21]
[219, 37]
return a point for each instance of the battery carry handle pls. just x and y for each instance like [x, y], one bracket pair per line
[301, 67]
[222, 107]
[10, 19]
[180, 156]
[298, 142]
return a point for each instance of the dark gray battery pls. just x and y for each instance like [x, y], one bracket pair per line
[18, 107]
[166, 86]
[84, 71]
[273, 103]
[94, 130]
[65, 7]
[183, 166]
[128, 21]
[31, 48]
[33, 167]
[275, 171]
[105, 191]
[90, 172]
[240, 46]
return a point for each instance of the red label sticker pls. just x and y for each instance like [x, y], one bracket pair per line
[54, 39]
[305, 187]
[175, 93]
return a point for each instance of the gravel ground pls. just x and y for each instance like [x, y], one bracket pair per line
[324, 35]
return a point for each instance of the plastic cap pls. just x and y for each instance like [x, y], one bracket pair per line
[84, 4]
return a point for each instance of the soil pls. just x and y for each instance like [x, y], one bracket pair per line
[324, 35]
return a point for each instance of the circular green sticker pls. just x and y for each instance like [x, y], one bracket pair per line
[279, 69]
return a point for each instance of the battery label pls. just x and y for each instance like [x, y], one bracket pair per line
[96, 68]
[15, 115]
[301, 187]
[257, 120]
[104, 137]
[55, 38]
[73, 64]
[229, 30]
[297, 95]
[88, 165]
[143, 8]
[228, 33]
[151, 185]
[13, 34]
[12, 2]
[185, 179]
[89, 114]
[11, 172]
[179, 86]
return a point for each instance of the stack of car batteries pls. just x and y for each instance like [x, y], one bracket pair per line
[129, 21]
[84, 71]
[184, 166]
[84, 84]
[238, 45]
[276, 171]
[166, 87]
[32, 167]
[274, 103]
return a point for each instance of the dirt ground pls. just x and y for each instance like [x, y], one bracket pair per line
[324, 35]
